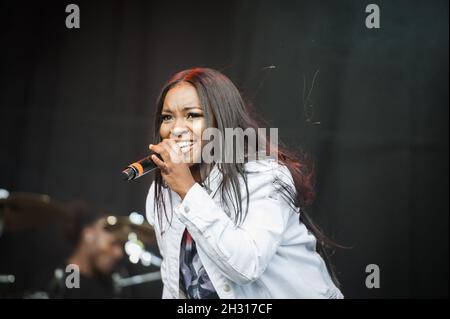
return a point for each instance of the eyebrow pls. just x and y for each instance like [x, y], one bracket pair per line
[183, 109]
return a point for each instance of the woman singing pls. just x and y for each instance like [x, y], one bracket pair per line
[229, 229]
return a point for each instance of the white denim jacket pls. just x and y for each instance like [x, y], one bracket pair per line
[270, 255]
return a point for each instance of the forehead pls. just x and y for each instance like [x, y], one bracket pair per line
[180, 96]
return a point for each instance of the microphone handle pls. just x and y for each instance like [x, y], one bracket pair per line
[139, 168]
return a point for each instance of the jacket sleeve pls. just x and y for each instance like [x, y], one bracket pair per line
[242, 252]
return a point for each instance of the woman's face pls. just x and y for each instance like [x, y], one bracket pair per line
[183, 121]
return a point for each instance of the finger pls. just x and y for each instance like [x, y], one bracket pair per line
[171, 148]
[175, 151]
[173, 145]
[159, 163]
[159, 149]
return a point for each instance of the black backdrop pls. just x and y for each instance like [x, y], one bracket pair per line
[77, 105]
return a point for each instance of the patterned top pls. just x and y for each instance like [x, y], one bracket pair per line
[194, 280]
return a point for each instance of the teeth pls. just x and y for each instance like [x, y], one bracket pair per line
[183, 145]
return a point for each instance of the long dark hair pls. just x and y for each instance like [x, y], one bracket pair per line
[224, 107]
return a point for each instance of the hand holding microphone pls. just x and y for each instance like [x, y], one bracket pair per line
[168, 157]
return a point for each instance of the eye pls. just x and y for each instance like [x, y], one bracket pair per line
[166, 117]
[194, 115]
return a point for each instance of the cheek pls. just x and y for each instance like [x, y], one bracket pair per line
[164, 131]
[198, 128]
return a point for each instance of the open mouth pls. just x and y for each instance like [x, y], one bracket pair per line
[185, 146]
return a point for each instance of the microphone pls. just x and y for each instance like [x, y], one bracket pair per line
[139, 168]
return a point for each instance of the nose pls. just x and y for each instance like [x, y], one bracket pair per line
[178, 131]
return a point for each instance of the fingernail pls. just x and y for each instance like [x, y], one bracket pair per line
[150, 146]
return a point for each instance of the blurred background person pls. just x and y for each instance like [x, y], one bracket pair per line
[96, 251]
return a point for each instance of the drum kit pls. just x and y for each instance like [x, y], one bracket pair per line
[24, 211]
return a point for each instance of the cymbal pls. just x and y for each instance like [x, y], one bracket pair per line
[122, 227]
[26, 210]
